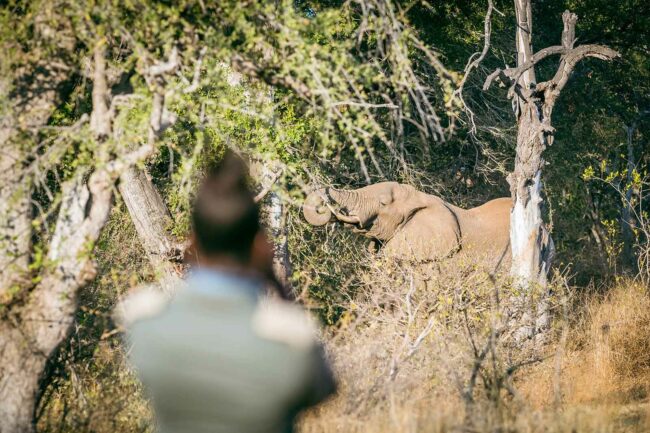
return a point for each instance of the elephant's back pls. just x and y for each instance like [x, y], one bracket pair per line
[486, 229]
[497, 209]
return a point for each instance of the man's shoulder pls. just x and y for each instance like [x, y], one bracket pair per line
[284, 322]
[143, 303]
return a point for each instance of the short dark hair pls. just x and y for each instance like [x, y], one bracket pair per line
[225, 217]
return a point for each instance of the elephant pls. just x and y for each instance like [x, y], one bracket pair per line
[410, 224]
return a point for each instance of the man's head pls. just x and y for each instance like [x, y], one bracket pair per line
[225, 217]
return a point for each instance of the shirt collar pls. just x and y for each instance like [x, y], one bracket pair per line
[220, 283]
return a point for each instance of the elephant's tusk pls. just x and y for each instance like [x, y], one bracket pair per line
[347, 219]
[341, 217]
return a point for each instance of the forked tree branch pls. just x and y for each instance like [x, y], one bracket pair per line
[570, 57]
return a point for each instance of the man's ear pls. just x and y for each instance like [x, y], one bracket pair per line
[261, 257]
[261, 260]
[191, 252]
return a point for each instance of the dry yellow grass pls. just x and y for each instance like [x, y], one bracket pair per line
[596, 381]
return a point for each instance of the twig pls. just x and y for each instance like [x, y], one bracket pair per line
[474, 61]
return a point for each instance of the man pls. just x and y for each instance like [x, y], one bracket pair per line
[218, 357]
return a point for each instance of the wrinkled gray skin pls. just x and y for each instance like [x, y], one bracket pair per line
[413, 225]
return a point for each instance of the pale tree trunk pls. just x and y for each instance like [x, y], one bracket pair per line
[274, 215]
[34, 326]
[528, 238]
[532, 247]
[32, 101]
[275, 218]
[30, 333]
[15, 213]
[32, 107]
[29, 329]
[277, 221]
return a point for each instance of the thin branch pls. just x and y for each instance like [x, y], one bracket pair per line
[163, 68]
[474, 61]
[197, 72]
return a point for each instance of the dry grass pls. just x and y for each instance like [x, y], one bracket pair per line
[594, 380]
[611, 364]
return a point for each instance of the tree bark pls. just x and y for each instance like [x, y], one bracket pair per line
[15, 215]
[277, 223]
[274, 214]
[31, 109]
[528, 236]
[37, 319]
[143, 201]
[33, 93]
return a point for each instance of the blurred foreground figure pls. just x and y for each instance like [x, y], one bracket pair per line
[221, 357]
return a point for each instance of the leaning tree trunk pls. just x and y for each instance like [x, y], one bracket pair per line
[152, 222]
[143, 201]
[532, 248]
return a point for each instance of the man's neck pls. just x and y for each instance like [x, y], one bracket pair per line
[227, 264]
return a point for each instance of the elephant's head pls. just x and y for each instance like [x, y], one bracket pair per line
[377, 210]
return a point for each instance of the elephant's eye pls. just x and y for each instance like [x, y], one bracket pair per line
[385, 199]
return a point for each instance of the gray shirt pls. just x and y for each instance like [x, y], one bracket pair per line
[217, 358]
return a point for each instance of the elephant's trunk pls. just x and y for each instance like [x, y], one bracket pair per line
[315, 209]
[318, 211]
[349, 200]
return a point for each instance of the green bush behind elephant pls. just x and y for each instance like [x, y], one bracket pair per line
[409, 224]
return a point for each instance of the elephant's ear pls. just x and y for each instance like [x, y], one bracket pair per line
[432, 233]
[386, 198]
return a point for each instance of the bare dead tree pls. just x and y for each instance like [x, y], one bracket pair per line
[533, 103]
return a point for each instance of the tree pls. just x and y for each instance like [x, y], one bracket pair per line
[533, 103]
